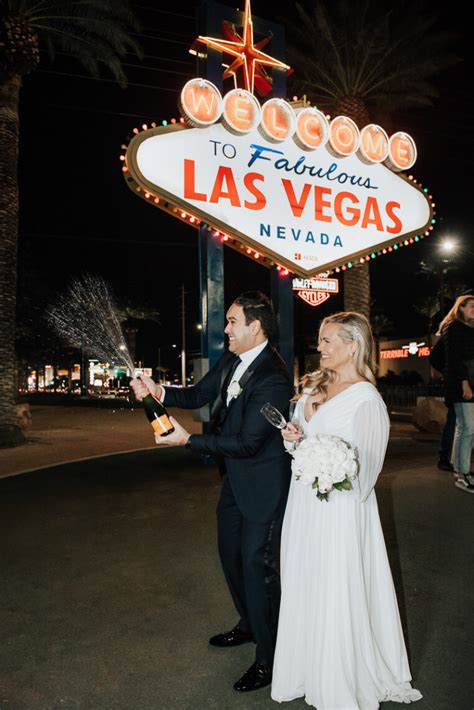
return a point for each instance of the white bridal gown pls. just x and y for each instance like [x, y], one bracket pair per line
[340, 642]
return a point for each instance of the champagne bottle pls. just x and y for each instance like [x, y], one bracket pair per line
[157, 415]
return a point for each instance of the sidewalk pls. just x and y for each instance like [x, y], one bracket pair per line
[64, 434]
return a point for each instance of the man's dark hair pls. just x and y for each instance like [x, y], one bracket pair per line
[257, 306]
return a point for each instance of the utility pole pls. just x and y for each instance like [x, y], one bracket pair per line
[183, 338]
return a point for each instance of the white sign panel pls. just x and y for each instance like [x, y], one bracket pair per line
[308, 210]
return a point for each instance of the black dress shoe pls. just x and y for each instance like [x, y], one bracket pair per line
[235, 637]
[445, 465]
[258, 676]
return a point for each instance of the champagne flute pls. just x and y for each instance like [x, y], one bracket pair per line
[291, 410]
[274, 416]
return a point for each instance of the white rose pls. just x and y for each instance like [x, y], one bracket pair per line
[338, 474]
[307, 478]
[324, 484]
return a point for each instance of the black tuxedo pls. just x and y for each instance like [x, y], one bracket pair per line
[253, 497]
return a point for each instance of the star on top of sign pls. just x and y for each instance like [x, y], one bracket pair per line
[248, 56]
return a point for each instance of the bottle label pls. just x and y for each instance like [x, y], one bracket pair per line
[162, 424]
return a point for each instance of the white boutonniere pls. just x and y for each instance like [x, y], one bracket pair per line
[234, 389]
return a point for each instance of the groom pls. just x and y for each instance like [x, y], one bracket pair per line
[250, 451]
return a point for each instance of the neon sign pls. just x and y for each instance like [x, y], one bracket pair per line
[418, 349]
[279, 181]
[315, 291]
[248, 56]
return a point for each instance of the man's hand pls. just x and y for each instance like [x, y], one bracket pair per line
[179, 437]
[144, 384]
[466, 390]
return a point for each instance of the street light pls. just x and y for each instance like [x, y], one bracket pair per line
[447, 246]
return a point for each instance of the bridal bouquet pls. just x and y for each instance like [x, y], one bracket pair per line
[325, 462]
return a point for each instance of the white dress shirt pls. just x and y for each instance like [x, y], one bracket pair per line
[246, 360]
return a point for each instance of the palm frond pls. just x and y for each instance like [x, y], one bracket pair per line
[97, 33]
[385, 53]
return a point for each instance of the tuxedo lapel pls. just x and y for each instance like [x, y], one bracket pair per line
[220, 400]
[247, 374]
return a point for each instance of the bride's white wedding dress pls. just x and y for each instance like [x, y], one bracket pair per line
[340, 642]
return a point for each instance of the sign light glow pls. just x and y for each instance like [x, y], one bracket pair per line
[374, 144]
[402, 152]
[315, 291]
[278, 120]
[201, 102]
[241, 111]
[312, 129]
[344, 136]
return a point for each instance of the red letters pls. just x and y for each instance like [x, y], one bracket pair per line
[320, 204]
[260, 199]
[354, 211]
[372, 215]
[297, 206]
[396, 228]
[225, 177]
[189, 183]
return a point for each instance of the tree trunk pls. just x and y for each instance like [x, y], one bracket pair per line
[357, 289]
[10, 433]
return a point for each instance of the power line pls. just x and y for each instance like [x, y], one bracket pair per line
[110, 240]
[145, 56]
[109, 81]
[165, 12]
[84, 109]
[161, 39]
[145, 68]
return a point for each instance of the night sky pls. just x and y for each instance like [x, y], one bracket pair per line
[78, 215]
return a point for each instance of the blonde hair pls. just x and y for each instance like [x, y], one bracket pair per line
[352, 327]
[455, 313]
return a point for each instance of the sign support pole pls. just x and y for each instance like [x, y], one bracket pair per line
[211, 250]
[281, 286]
[211, 285]
[283, 302]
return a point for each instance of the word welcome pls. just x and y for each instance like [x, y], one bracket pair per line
[202, 104]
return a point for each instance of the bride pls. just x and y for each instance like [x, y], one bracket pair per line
[340, 642]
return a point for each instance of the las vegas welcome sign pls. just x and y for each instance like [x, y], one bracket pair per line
[280, 178]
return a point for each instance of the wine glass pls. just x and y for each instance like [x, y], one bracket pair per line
[273, 415]
[291, 410]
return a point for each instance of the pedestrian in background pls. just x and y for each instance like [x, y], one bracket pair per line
[457, 331]
[438, 362]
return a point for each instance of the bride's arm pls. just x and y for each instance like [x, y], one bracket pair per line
[371, 431]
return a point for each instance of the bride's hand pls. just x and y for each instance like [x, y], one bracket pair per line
[292, 434]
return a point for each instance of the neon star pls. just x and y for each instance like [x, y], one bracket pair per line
[247, 56]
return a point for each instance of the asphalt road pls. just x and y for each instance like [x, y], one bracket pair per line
[111, 585]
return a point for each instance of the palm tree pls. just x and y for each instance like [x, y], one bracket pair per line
[382, 326]
[130, 317]
[95, 32]
[428, 307]
[364, 58]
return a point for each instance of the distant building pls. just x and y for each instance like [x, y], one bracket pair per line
[406, 358]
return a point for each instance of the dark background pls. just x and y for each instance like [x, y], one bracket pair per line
[78, 215]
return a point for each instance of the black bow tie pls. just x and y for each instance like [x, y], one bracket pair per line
[235, 365]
